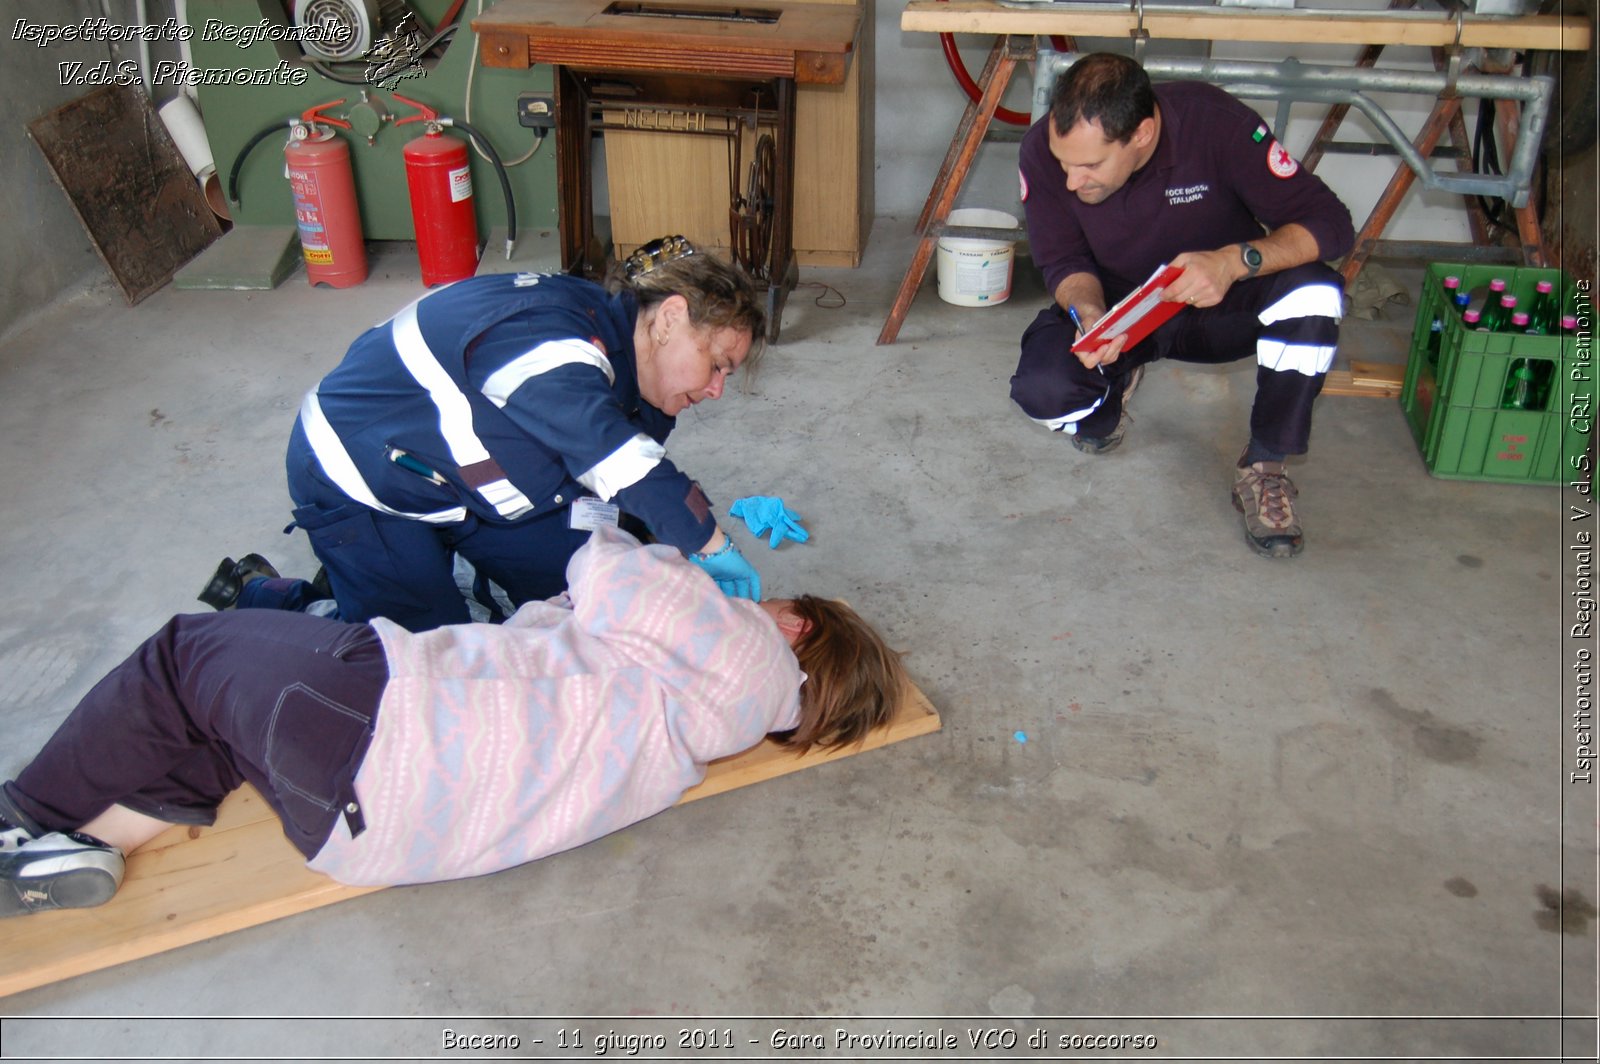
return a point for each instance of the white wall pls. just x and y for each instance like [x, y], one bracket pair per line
[919, 105]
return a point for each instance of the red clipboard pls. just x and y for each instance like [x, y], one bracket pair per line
[1138, 315]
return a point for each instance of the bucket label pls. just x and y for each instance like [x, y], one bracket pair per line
[983, 275]
[460, 184]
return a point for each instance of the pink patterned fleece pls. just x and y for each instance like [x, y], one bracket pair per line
[497, 745]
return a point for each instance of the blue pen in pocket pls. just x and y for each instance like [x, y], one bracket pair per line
[404, 460]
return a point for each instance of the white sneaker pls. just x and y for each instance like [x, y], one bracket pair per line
[13, 837]
[58, 871]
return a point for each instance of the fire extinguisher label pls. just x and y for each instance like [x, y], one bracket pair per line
[460, 184]
[308, 218]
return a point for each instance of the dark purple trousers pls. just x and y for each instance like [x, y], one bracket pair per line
[284, 701]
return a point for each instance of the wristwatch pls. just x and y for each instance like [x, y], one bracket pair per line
[1252, 259]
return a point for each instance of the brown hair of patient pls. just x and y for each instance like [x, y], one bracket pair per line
[853, 678]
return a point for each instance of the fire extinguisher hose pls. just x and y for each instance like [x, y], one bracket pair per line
[499, 170]
[238, 160]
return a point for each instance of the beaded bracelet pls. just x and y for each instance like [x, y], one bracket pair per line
[727, 546]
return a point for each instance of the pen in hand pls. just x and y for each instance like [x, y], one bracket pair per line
[1077, 322]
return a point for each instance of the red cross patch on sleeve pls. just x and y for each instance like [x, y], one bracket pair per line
[1280, 162]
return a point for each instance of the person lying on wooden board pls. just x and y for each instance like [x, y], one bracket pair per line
[393, 757]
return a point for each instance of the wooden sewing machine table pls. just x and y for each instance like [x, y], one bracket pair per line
[702, 53]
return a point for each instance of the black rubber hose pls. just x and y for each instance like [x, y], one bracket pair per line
[238, 160]
[500, 171]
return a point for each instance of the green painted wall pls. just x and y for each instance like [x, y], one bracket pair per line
[234, 113]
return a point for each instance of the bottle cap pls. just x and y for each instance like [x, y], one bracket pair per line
[1455, 282]
[1543, 286]
[1471, 316]
[1497, 285]
[1569, 321]
[1508, 301]
[1519, 318]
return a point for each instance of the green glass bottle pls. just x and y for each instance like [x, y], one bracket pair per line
[1498, 317]
[1452, 292]
[1520, 391]
[1543, 318]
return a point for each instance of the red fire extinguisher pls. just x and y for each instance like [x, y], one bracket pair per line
[442, 211]
[325, 210]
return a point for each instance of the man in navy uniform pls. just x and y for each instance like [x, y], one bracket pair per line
[1123, 176]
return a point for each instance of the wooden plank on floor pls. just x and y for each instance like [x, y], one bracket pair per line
[1379, 380]
[143, 210]
[190, 884]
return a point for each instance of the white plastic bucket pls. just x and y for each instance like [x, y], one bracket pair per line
[975, 272]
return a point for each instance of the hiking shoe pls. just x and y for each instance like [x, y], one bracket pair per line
[1265, 495]
[1100, 444]
[222, 590]
[1106, 444]
[1131, 384]
[58, 871]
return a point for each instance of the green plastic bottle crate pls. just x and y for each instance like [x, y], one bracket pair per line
[1453, 406]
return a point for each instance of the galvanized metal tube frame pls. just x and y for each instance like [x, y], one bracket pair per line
[1291, 81]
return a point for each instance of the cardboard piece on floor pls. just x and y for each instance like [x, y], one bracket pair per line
[191, 884]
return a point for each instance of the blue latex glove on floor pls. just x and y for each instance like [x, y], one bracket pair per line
[763, 512]
[736, 577]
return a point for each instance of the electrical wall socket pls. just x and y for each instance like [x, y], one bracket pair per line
[536, 110]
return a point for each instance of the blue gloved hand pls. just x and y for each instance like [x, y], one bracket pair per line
[736, 577]
[761, 512]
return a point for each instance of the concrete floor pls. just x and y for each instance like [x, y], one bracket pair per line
[1330, 787]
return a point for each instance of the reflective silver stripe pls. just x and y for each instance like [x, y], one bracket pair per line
[623, 467]
[505, 498]
[1068, 423]
[504, 382]
[336, 462]
[1307, 301]
[1310, 359]
[455, 413]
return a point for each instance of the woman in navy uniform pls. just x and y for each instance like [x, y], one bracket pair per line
[487, 419]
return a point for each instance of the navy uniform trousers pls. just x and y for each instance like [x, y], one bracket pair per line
[379, 565]
[284, 701]
[1289, 321]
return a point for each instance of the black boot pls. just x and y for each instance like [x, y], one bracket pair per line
[222, 591]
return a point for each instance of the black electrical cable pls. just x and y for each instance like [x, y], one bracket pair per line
[238, 160]
[500, 171]
[1486, 159]
[325, 69]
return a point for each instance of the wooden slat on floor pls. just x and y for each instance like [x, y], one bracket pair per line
[1377, 380]
[191, 884]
